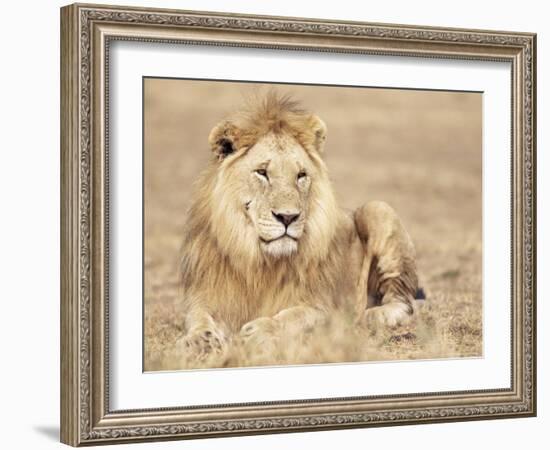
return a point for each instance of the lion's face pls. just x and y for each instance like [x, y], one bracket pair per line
[275, 176]
[270, 196]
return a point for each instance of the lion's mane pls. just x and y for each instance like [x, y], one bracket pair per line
[222, 264]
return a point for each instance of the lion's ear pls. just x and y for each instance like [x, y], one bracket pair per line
[222, 139]
[319, 130]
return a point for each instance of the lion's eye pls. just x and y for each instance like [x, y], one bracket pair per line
[262, 172]
[301, 175]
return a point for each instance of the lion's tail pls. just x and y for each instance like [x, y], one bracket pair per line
[361, 296]
[420, 294]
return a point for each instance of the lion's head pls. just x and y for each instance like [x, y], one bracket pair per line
[267, 190]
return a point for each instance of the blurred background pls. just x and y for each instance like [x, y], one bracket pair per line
[420, 151]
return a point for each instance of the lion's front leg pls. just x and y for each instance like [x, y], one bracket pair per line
[264, 332]
[204, 335]
[392, 279]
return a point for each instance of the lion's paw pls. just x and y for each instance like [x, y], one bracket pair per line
[260, 333]
[201, 342]
[388, 315]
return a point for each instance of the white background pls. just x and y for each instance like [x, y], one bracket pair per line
[132, 389]
[29, 178]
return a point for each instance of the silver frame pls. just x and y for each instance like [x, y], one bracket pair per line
[86, 33]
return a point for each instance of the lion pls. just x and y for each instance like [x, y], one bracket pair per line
[267, 250]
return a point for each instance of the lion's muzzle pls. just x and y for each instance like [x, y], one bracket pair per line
[279, 236]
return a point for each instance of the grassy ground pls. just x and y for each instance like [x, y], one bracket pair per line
[419, 151]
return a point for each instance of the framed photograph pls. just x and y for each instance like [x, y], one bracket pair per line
[277, 224]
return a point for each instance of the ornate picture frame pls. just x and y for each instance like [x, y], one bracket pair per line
[87, 31]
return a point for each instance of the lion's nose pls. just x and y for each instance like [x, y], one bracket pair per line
[286, 219]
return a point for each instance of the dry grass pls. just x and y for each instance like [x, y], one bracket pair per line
[436, 332]
[419, 151]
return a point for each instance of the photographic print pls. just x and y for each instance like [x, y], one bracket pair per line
[294, 224]
[311, 205]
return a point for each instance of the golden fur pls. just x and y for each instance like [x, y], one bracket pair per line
[246, 270]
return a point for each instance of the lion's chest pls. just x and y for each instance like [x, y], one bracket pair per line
[264, 295]
[248, 300]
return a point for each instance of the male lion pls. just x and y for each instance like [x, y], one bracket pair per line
[267, 250]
